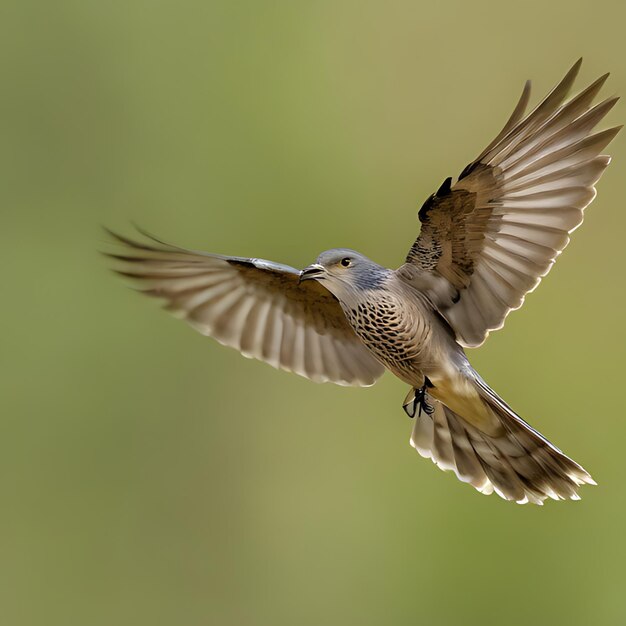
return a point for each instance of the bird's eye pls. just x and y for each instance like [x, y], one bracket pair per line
[346, 262]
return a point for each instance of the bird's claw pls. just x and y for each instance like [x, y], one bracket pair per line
[420, 404]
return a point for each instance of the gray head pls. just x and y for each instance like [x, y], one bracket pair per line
[342, 271]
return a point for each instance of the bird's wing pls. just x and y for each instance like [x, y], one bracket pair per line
[487, 240]
[257, 307]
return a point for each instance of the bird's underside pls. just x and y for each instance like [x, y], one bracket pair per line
[485, 242]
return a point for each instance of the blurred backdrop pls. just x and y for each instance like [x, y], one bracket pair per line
[149, 475]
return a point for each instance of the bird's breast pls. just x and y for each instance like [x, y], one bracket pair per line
[394, 328]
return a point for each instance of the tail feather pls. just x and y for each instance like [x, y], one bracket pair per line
[519, 464]
[469, 467]
[442, 442]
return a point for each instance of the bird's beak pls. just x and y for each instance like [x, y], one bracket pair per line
[312, 271]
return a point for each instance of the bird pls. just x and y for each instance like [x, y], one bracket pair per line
[486, 240]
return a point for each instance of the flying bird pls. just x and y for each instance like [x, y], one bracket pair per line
[486, 240]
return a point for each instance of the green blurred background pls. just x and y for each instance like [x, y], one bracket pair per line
[149, 475]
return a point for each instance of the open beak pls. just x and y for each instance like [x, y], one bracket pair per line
[311, 272]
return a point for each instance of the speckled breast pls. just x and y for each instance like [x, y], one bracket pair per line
[395, 334]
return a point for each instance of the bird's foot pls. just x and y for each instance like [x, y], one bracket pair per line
[419, 402]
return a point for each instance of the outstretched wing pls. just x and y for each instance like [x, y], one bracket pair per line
[257, 307]
[487, 240]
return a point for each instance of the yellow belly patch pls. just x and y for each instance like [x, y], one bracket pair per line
[461, 396]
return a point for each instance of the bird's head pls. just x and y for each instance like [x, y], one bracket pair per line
[342, 271]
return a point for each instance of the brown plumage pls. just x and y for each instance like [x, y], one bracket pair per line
[485, 242]
[499, 229]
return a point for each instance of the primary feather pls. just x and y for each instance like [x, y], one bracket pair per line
[490, 238]
[255, 306]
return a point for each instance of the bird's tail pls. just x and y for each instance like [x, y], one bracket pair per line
[516, 462]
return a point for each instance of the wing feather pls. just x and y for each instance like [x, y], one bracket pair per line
[255, 306]
[487, 240]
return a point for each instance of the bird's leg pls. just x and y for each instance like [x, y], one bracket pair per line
[415, 401]
[420, 399]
